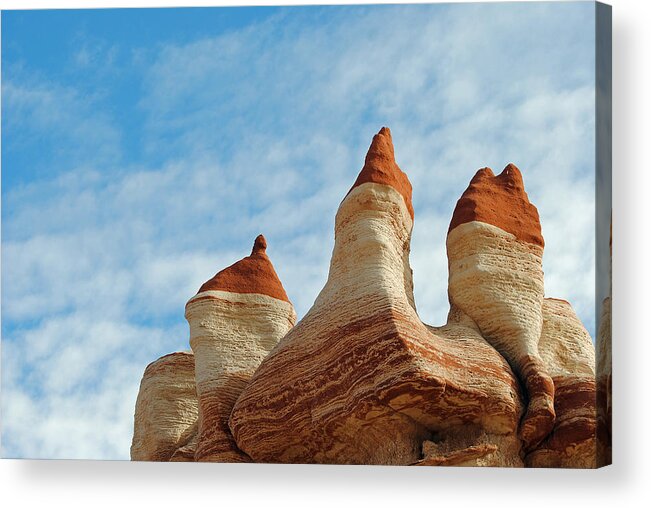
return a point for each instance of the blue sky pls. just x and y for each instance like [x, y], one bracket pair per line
[143, 150]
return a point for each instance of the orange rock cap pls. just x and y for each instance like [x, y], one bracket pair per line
[380, 167]
[501, 201]
[252, 274]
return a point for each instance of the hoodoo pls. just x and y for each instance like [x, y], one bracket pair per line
[495, 249]
[235, 319]
[508, 381]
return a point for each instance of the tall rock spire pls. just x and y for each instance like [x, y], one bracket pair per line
[237, 317]
[495, 249]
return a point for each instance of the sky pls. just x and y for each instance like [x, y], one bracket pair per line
[143, 150]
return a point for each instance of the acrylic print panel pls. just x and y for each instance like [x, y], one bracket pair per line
[424, 191]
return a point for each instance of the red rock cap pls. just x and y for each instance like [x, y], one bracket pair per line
[380, 167]
[252, 274]
[501, 201]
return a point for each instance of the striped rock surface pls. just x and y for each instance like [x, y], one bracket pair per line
[360, 379]
[568, 353]
[495, 249]
[166, 409]
[235, 319]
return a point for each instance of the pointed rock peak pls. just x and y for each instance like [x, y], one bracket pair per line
[482, 174]
[380, 167]
[252, 274]
[511, 176]
[260, 245]
[381, 147]
[500, 201]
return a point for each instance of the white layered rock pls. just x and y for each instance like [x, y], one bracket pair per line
[568, 353]
[230, 334]
[496, 278]
[166, 409]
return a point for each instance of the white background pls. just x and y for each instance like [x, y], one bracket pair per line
[627, 482]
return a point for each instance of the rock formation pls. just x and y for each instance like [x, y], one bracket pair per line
[495, 249]
[235, 319]
[568, 354]
[166, 410]
[360, 366]
[507, 381]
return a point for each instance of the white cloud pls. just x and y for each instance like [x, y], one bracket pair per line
[263, 130]
[69, 385]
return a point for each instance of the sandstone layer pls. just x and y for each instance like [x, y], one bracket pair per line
[509, 380]
[568, 353]
[166, 409]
